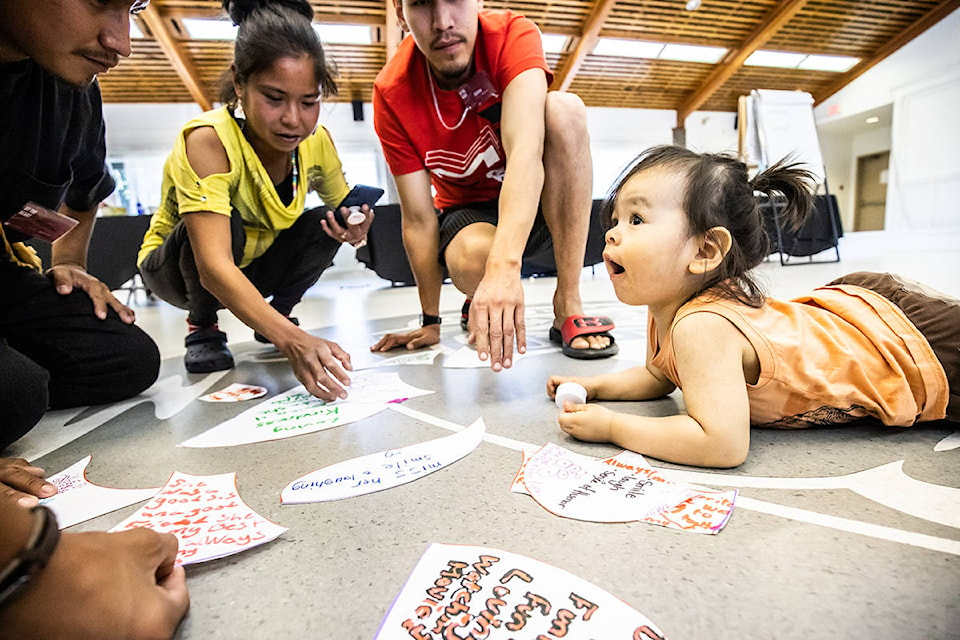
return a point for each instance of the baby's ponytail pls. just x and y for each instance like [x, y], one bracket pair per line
[787, 182]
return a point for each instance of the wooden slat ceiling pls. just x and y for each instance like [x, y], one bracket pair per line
[166, 66]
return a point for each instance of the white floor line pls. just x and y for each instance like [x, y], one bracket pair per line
[508, 443]
[880, 532]
[851, 526]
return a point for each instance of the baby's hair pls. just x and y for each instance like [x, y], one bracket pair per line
[719, 193]
[271, 30]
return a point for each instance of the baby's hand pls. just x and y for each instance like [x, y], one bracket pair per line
[587, 422]
[556, 381]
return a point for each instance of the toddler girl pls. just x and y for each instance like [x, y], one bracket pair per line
[684, 232]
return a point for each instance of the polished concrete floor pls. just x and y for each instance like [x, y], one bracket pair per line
[808, 552]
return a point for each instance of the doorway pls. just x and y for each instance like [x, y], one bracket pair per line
[871, 205]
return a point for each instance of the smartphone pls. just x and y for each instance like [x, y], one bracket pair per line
[360, 195]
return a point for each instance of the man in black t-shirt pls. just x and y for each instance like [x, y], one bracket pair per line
[65, 340]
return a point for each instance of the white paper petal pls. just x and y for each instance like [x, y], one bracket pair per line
[467, 358]
[421, 357]
[383, 470]
[297, 412]
[206, 515]
[493, 591]
[78, 500]
[952, 441]
[236, 392]
[623, 488]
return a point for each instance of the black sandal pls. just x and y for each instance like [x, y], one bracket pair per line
[207, 351]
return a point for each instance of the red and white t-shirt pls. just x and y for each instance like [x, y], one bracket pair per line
[460, 148]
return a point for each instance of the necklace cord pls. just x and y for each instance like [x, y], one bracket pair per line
[436, 104]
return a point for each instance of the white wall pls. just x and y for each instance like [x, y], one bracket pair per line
[142, 135]
[619, 135]
[841, 149]
[922, 83]
[924, 187]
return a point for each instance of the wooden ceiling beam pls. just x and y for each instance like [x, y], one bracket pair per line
[931, 18]
[589, 37]
[176, 55]
[393, 34]
[736, 57]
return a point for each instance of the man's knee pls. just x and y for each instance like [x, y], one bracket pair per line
[23, 394]
[467, 252]
[126, 363]
[565, 114]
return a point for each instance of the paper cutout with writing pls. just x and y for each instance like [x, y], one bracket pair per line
[622, 488]
[206, 515]
[78, 500]
[706, 512]
[383, 470]
[297, 412]
[421, 357]
[459, 591]
[236, 392]
[467, 358]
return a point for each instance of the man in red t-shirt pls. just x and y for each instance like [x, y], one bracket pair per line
[463, 108]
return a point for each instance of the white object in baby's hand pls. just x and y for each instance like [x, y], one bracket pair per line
[571, 391]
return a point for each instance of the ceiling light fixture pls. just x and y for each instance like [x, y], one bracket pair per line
[692, 53]
[203, 29]
[873, 120]
[692, 5]
[793, 60]
[553, 42]
[343, 33]
[622, 48]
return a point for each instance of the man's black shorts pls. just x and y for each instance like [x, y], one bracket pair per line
[539, 247]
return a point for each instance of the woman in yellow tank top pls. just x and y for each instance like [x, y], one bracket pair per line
[684, 231]
[231, 229]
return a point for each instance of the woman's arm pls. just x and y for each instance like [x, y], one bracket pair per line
[315, 361]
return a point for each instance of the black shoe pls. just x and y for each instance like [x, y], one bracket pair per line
[259, 337]
[465, 315]
[207, 351]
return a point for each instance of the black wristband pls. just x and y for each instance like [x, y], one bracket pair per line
[36, 553]
[427, 320]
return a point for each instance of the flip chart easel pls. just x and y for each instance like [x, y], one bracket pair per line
[779, 124]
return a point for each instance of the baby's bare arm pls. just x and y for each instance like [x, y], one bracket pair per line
[636, 383]
[714, 432]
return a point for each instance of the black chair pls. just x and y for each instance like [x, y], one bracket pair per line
[114, 244]
[384, 253]
[820, 231]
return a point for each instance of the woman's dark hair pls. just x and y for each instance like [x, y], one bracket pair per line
[719, 193]
[271, 30]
